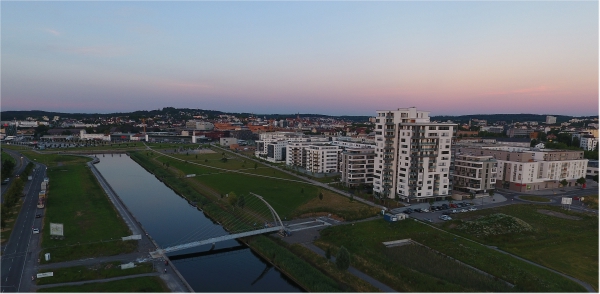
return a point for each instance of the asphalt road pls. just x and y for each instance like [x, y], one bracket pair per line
[17, 250]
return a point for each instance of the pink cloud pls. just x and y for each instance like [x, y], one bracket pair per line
[534, 91]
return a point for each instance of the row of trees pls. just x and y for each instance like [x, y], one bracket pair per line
[13, 195]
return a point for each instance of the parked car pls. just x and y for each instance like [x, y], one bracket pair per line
[453, 205]
[38, 215]
[454, 211]
[424, 210]
[472, 208]
[463, 210]
[418, 210]
[36, 231]
[445, 213]
[5, 181]
[428, 220]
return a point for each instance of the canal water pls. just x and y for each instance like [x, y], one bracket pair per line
[168, 218]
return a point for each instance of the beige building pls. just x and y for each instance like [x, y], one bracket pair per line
[357, 166]
[475, 174]
[526, 169]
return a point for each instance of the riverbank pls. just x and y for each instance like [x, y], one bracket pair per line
[298, 270]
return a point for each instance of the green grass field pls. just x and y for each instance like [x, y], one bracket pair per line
[534, 198]
[95, 272]
[287, 197]
[364, 241]
[566, 245]
[141, 284]
[51, 160]
[591, 201]
[92, 227]
[5, 156]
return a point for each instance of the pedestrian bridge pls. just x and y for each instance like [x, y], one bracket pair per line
[274, 226]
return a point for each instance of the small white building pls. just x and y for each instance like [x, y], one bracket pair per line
[227, 141]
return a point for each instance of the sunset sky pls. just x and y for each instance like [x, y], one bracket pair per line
[352, 58]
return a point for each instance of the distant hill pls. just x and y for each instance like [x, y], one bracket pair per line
[508, 118]
[178, 113]
[171, 111]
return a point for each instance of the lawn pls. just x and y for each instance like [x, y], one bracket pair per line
[337, 205]
[5, 156]
[364, 241]
[141, 284]
[92, 227]
[534, 198]
[95, 272]
[51, 160]
[591, 201]
[566, 245]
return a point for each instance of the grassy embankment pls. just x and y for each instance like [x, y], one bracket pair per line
[567, 245]
[141, 284]
[364, 241]
[95, 272]
[289, 198]
[534, 198]
[5, 156]
[294, 198]
[92, 226]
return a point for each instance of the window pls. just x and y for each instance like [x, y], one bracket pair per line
[445, 152]
[432, 128]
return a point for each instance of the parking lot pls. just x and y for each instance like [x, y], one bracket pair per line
[422, 211]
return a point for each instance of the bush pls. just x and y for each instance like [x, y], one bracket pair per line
[495, 224]
[342, 260]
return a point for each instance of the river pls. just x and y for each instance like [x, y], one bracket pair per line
[168, 219]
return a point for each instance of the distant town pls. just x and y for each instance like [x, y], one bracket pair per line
[364, 153]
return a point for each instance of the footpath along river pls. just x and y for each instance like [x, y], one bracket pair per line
[170, 220]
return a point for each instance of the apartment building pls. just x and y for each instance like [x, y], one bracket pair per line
[518, 132]
[474, 174]
[526, 169]
[413, 158]
[592, 169]
[550, 119]
[588, 142]
[322, 158]
[273, 146]
[357, 166]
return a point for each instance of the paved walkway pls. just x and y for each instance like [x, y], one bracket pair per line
[97, 281]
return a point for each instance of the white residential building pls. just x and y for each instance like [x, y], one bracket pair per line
[199, 125]
[323, 158]
[413, 156]
[84, 136]
[588, 142]
[550, 120]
